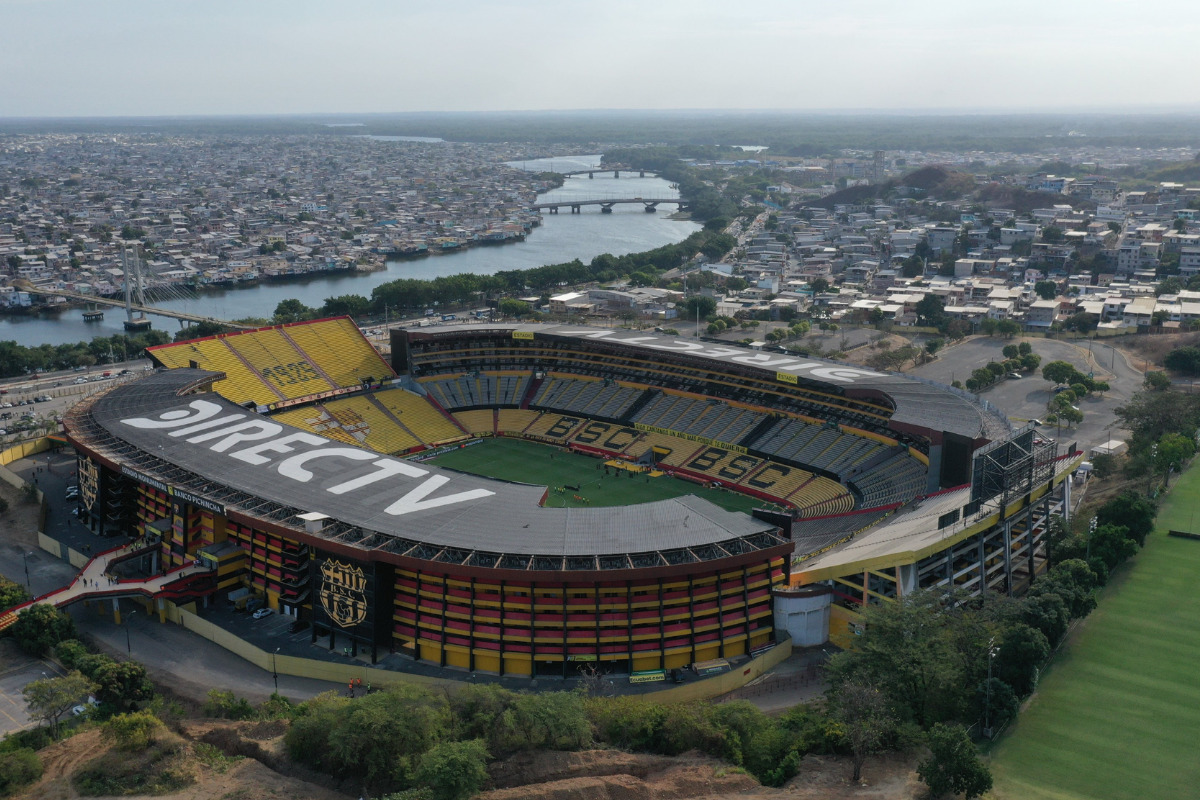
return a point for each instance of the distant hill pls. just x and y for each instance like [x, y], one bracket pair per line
[1022, 201]
[937, 182]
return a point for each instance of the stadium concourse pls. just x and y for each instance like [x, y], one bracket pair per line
[293, 462]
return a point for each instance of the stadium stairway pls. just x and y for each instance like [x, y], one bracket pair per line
[387, 412]
[531, 392]
[647, 396]
[433, 402]
[314, 363]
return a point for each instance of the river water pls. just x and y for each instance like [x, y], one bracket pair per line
[561, 237]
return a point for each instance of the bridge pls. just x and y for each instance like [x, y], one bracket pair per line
[606, 204]
[615, 170]
[182, 316]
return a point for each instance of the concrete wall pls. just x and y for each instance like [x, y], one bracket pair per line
[345, 672]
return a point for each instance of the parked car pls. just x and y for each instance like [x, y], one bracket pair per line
[262, 613]
[1016, 376]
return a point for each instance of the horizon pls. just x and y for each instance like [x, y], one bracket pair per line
[133, 58]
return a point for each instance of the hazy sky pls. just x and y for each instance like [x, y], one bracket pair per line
[135, 57]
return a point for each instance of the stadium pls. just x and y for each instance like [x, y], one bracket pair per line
[521, 498]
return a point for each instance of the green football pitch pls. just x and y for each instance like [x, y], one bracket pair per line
[1118, 714]
[545, 465]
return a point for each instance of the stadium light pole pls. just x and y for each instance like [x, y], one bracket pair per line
[275, 672]
[25, 560]
[128, 643]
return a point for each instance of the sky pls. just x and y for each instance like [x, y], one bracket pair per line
[209, 57]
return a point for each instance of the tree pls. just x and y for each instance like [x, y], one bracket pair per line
[1021, 652]
[41, 627]
[1132, 511]
[454, 770]
[346, 305]
[1008, 328]
[1059, 372]
[707, 306]
[1047, 290]
[121, 685]
[931, 311]
[1052, 234]
[292, 310]
[911, 652]
[11, 592]
[1047, 613]
[1183, 359]
[1173, 450]
[1110, 547]
[1157, 381]
[1073, 581]
[953, 765]
[511, 307]
[933, 345]
[51, 698]
[1010, 351]
[819, 285]
[866, 720]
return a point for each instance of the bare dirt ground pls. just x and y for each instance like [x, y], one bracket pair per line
[1153, 349]
[244, 779]
[21, 520]
[260, 770]
[612, 775]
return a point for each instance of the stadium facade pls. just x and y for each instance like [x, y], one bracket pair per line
[292, 461]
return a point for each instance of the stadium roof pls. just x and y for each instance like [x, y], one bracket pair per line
[918, 403]
[216, 454]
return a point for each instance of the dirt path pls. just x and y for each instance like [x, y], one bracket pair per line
[60, 760]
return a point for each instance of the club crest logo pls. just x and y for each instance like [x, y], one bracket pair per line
[89, 482]
[343, 593]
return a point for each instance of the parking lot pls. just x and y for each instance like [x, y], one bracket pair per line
[18, 669]
[1026, 398]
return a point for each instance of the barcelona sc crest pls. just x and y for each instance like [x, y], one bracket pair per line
[89, 482]
[343, 593]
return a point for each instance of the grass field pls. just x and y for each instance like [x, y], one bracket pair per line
[1118, 714]
[530, 462]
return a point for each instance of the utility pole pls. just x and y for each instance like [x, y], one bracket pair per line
[128, 645]
[987, 709]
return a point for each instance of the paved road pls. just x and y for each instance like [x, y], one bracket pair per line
[187, 662]
[1027, 398]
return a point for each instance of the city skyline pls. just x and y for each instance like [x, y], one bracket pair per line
[132, 58]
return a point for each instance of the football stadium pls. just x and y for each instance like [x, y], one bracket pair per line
[516, 498]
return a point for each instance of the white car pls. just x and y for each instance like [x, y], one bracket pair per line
[262, 612]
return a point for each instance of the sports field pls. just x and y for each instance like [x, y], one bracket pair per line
[530, 462]
[1118, 715]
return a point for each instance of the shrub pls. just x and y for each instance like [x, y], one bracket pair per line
[134, 731]
[953, 765]
[69, 652]
[453, 770]
[18, 768]
[223, 703]
[41, 627]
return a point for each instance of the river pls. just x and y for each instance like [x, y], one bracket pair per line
[561, 237]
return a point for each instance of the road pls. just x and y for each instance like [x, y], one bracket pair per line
[1027, 398]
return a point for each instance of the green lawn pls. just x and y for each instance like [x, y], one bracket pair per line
[1118, 714]
[544, 465]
